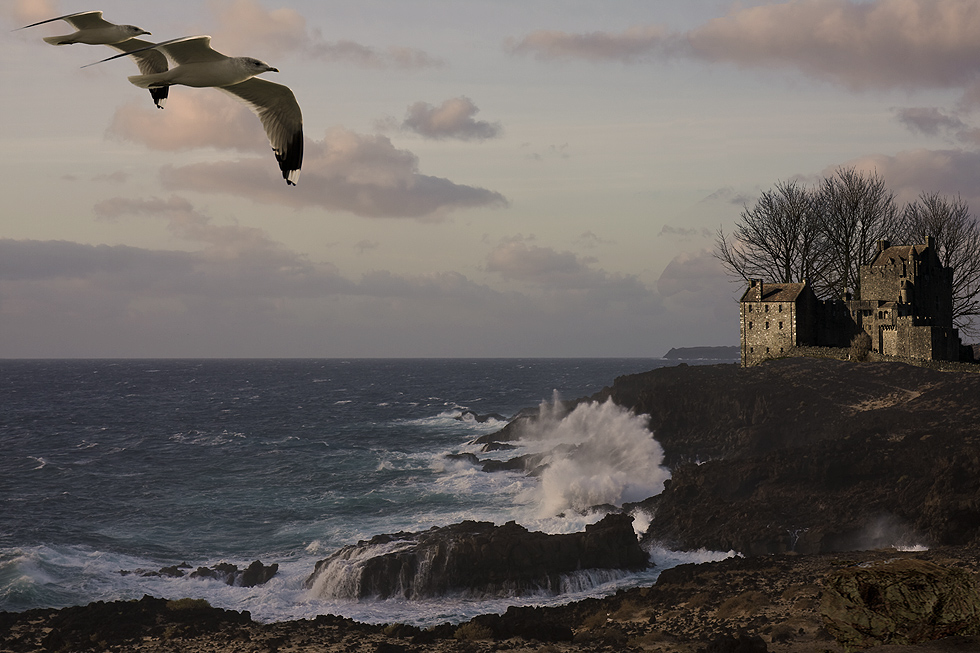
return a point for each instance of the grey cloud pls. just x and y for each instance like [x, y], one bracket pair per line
[452, 119]
[558, 270]
[363, 175]
[693, 272]
[874, 44]
[669, 230]
[950, 172]
[363, 56]
[929, 120]
[365, 245]
[634, 44]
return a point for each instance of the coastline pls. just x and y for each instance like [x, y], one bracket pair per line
[746, 422]
[771, 601]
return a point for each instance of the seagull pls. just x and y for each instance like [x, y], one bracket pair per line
[198, 65]
[92, 29]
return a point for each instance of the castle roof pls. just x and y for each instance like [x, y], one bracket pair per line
[899, 254]
[774, 292]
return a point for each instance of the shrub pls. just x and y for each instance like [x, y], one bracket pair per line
[860, 346]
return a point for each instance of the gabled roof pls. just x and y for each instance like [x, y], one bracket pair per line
[774, 292]
[899, 254]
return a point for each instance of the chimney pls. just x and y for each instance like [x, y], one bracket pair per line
[757, 283]
[883, 245]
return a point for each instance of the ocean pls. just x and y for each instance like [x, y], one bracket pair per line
[112, 466]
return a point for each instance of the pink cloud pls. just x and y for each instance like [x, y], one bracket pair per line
[246, 26]
[876, 44]
[909, 173]
[194, 118]
[24, 12]
[452, 119]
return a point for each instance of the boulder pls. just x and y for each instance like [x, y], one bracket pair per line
[477, 558]
[899, 602]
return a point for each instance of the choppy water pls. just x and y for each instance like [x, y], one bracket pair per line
[126, 465]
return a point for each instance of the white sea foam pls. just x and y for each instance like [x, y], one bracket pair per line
[599, 454]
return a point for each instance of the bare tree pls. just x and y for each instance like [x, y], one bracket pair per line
[776, 239]
[856, 212]
[957, 235]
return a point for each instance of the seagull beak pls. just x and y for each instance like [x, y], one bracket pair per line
[273, 70]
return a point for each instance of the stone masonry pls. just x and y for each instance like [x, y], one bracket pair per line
[905, 305]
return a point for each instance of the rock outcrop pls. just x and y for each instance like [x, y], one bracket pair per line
[807, 455]
[900, 602]
[229, 574]
[475, 558]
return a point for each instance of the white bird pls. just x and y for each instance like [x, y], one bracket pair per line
[92, 29]
[198, 65]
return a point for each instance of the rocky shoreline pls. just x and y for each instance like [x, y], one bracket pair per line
[815, 470]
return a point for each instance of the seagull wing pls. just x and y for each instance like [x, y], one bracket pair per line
[149, 60]
[191, 49]
[186, 49]
[87, 20]
[276, 107]
[80, 20]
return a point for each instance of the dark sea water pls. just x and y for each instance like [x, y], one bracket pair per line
[109, 465]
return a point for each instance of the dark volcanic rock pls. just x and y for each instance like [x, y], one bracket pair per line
[900, 602]
[475, 557]
[255, 574]
[812, 455]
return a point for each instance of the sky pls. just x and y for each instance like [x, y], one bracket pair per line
[482, 178]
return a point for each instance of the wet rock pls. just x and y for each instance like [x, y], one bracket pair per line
[900, 602]
[255, 574]
[471, 416]
[476, 557]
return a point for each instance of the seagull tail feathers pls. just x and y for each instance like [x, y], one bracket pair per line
[58, 40]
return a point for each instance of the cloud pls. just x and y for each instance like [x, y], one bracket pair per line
[366, 245]
[857, 44]
[909, 173]
[364, 56]
[346, 171]
[634, 44]
[25, 12]
[249, 250]
[246, 26]
[194, 118]
[452, 119]
[684, 232]
[692, 272]
[245, 23]
[555, 270]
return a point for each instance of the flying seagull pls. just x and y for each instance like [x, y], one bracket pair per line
[198, 65]
[92, 29]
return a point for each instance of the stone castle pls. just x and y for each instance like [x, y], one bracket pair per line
[905, 306]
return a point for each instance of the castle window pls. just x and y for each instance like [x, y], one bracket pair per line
[750, 325]
[780, 308]
[767, 325]
[780, 325]
[767, 308]
[750, 308]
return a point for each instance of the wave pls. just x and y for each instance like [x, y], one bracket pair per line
[597, 454]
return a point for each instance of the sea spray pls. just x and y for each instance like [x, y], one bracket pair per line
[601, 454]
